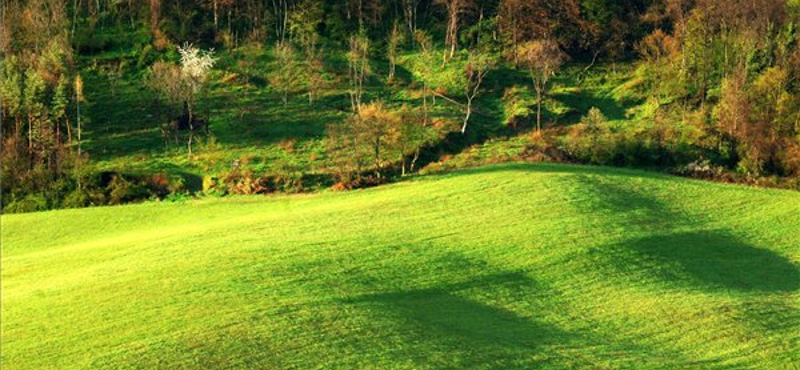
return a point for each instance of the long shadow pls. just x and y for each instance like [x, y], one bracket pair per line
[472, 333]
[708, 259]
[581, 102]
[560, 168]
[260, 118]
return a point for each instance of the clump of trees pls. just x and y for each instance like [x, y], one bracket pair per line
[39, 162]
[359, 69]
[376, 139]
[727, 69]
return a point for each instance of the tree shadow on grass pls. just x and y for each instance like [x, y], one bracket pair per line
[677, 247]
[567, 169]
[702, 258]
[581, 102]
[463, 332]
[712, 260]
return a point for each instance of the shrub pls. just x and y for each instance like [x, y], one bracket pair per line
[591, 140]
[213, 186]
[517, 103]
[30, 203]
[76, 199]
[121, 191]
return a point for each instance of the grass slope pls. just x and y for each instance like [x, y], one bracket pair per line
[251, 126]
[506, 267]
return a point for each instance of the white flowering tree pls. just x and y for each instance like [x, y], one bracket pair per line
[178, 86]
[195, 65]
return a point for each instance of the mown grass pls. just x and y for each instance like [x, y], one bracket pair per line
[514, 266]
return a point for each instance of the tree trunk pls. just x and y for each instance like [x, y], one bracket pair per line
[191, 127]
[425, 103]
[378, 157]
[78, 105]
[30, 135]
[75, 8]
[155, 6]
[69, 133]
[216, 18]
[466, 118]
[414, 160]
[538, 110]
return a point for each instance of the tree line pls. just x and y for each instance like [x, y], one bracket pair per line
[719, 76]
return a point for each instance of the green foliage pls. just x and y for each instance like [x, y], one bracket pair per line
[213, 186]
[120, 190]
[30, 203]
[76, 199]
[672, 94]
[286, 76]
[11, 87]
[517, 106]
[60, 102]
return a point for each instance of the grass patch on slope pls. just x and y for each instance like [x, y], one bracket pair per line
[514, 266]
[252, 127]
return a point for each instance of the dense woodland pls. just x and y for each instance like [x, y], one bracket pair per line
[401, 82]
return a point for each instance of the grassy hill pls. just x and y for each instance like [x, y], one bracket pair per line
[508, 267]
[251, 126]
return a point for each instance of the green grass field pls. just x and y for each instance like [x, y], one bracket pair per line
[514, 266]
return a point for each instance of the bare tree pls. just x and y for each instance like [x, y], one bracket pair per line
[286, 75]
[280, 14]
[454, 8]
[315, 74]
[359, 69]
[410, 15]
[542, 58]
[475, 70]
[395, 38]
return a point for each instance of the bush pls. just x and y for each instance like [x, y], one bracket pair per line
[591, 140]
[121, 191]
[76, 199]
[178, 197]
[30, 203]
[213, 186]
[517, 103]
[89, 41]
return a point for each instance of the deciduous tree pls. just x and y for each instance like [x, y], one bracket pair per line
[286, 76]
[358, 69]
[542, 58]
[455, 10]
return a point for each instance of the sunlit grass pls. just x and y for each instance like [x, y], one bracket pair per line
[506, 267]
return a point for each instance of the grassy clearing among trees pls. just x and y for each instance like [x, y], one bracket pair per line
[513, 266]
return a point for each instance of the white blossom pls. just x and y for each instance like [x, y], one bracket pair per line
[195, 64]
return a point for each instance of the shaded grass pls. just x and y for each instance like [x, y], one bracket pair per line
[511, 266]
[250, 125]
